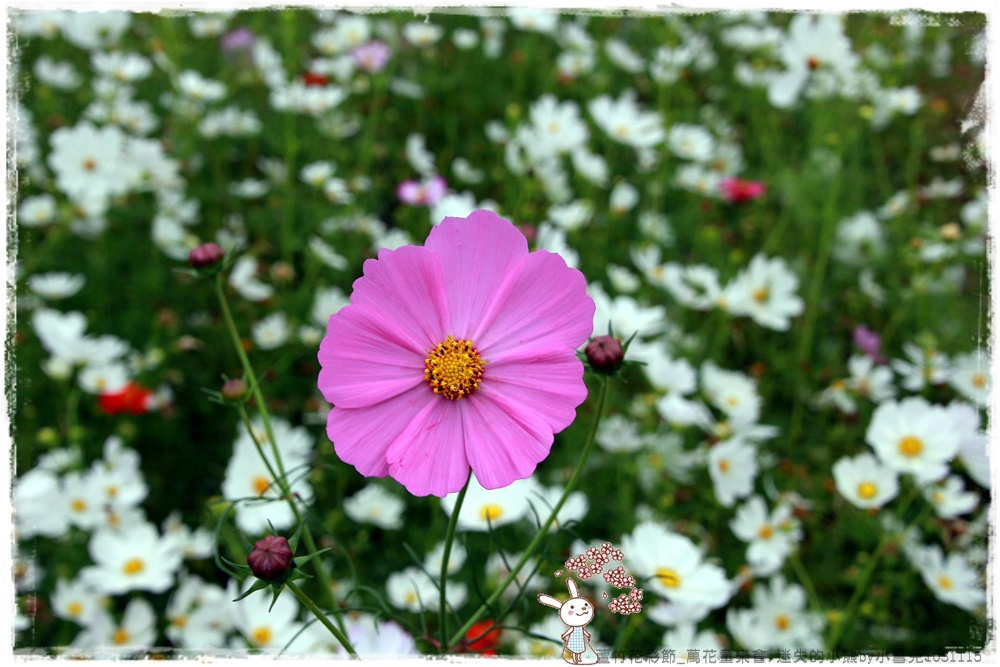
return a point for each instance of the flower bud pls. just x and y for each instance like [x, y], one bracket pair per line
[206, 255]
[234, 390]
[605, 354]
[271, 559]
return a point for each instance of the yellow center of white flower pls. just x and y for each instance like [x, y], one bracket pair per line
[765, 532]
[179, 621]
[668, 577]
[911, 446]
[134, 566]
[782, 622]
[78, 505]
[724, 465]
[867, 490]
[761, 295]
[120, 637]
[944, 582]
[979, 380]
[261, 636]
[453, 369]
[490, 512]
[75, 608]
[261, 484]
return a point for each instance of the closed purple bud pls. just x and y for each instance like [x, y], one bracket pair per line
[605, 354]
[205, 255]
[271, 559]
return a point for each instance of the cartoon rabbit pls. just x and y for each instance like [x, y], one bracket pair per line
[576, 612]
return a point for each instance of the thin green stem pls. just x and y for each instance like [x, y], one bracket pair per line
[448, 540]
[544, 528]
[291, 150]
[321, 617]
[862, 585]
[806, 581]
[281, 479]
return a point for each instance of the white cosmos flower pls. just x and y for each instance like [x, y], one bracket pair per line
[243, 279]
[56, 285]
[266, 627]
[271, 332]
[37, 497]
[199, 614]
[414, 590]
[625, 122]
[136, 558]
[922, 366]
[37, 211]
[765, 291]
[374, 505]
[864, 481]
[971, 377]
[778, 619]
[771, 536]
[950, 499]
[674, 568]
[913, 436]
[952, 579]
[691, 142]
[733, 466]
[108, 638]
[90, 162]
[484, 509]
[76, 601]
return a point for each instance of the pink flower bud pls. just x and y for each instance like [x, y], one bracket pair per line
[271, 559]
[605, 354]
[234, 390]
[205, 255]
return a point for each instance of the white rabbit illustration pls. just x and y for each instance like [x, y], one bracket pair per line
[575, 612]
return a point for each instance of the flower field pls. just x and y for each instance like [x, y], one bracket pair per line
[499, 332]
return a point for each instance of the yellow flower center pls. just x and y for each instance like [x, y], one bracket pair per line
[261, 636]
[261, 484]
[761, 295]
[491, 512]
[867, 490]
[944, 582]
[75, 608]
[724, 465]
[813, 63]
[78, 505]
[410, 598]
[911, 446]
[120, 637]
[134, 566]
[782, 622]
[453, 369]
[112, 490]
[179, 621]
[765, 532]
[668, 577]
[979, 380]
[89, 165]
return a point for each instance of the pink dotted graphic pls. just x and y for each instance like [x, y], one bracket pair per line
[593, 562]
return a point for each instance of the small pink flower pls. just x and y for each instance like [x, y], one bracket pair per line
[372, 57]
[457, 354]
[737, 191]
[422, 193]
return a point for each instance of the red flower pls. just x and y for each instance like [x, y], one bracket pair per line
[313, 79]
[483, 644]
[737, 190]
[134, 399]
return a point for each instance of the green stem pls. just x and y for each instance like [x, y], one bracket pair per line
[544, 528]
[449, 538]
[281, 479]
[866, 575]
[321, 617]
[806, 581]
[291, 150]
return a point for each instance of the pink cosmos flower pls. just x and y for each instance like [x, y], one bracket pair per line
[422, 193]
[454, 355]
[737, 190]
[372, 56]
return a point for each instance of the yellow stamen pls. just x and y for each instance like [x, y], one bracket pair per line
[75, 608]
[78, 505]
[134, 566]
[724, 465]
[979, 380]
[911, 446]
[765, 532]
[867, 490]
[120, 637]
[761, 295]
[261, 636]
[453, 369]
[782, 622]
[261, 484]
[668, 577]
[944, 582]
[490, 512]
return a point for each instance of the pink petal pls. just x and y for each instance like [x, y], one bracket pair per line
[406, 286]
[504, 441]
[362, 436]
[548, 381]
[477, 254]
[428, 456]
[544, 302]
[366, 359]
